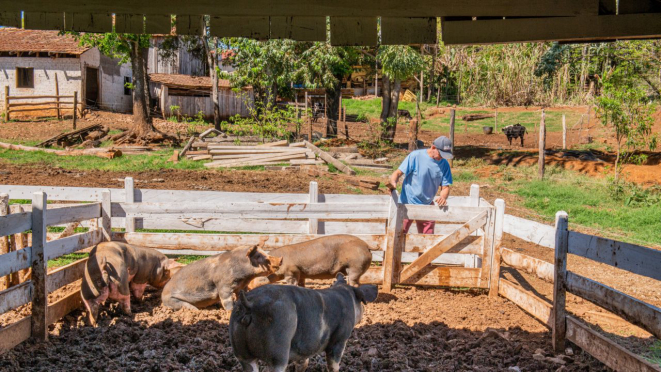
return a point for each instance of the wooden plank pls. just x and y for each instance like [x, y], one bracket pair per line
[298, 28]
[533, 305]
[88, 22]
[386, 8]
[256, 160]
[11, 19]
[44, 21]
[39, 324]
[64, 306]
[256, 27]
[404, 31]
[105, 221]
[353, 31]
[129, 189]
[438, 277]
[329, 159]
[460, 259]
[155, 196]
[14, 223]
[559, 325]
[73, 243]
[129, 23]
[530, 231]
[60, 193]
[330, 211]
[313, 223]
[189, 24]
[77, 213]
[256, 151]
[156, 23]
[14, 297]
[443, 246]
[635, 311]
[605, 350]
[422, 242]
[634, 258]
[623, 26]
[14, 261]
[499, 216]
[487, 244]
[231, 225]
[212, 242]
[395, 240]
[65, 275]
[445, 214]
[342, 227]
[14, 334]
[542, 269]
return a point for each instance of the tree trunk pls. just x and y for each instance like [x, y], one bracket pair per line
[333, 109]
[142, 123]
[430, 86]
[212, 61]
[390, 93]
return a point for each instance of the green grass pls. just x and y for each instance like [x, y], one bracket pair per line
[186, 259]
[654, 355]
[66, 260]
[126, 163]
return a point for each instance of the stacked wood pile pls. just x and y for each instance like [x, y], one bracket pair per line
[87, 137]
[266, 154]
[473, 117]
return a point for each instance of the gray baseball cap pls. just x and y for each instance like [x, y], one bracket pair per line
[444, 146]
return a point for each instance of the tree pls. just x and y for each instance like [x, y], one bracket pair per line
[134, 49]
[211, 52]
[399, 62]
[623, 105]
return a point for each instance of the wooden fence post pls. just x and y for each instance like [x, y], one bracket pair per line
[21, 243]
[346, 126]
[542, 146]
[497, 241]
[313, 223]
[75, 107]
[452, 113]
[129, 224]
[395, 238]
[6, 103]
[413, 135]
[106, 222]
[4, 240]
[39, 317]
[558, 322]
[564, 133]
[475, 195]
[57, 97]
[495, 127]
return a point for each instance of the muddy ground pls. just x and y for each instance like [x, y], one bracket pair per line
[408, 330]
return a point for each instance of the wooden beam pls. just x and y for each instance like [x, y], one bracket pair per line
[65, 275]
[443, 246]
[329, 159]
[44, 21]
[444, 213]
[88, 22]
[605, 350]
[634, 258]
[298, 28]
[359, 31]
[39, 324]
[129, 24]
[255, 27]
[533, 305]
[385, 8]
[16, 296]
[530, 231]
[11, 18]
[531, 265]
[189, 24]
[499, 216]
[587, 28]
[635, 311]
[313, 223]
[395, 240]
[559, 327]
[157, 23]
[435, 277]
[397, 31]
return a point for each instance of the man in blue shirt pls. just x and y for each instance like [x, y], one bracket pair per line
[424, 172]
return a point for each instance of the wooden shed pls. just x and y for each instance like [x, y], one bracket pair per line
[189, 95]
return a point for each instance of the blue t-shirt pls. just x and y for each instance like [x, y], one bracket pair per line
[422, 177]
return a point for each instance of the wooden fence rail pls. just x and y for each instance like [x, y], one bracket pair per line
[56, 104]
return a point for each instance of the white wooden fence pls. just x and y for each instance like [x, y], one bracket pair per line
[633, 258]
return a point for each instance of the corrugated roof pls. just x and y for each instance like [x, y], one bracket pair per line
[19, 40]
[186, 81]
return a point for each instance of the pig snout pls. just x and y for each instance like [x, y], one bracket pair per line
[274, 263]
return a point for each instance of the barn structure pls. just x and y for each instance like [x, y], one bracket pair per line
[43, 63]
[180, 95]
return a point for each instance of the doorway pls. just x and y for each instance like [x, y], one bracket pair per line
[91, 86]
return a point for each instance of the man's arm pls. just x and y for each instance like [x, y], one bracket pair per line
[394, 177]
[442, 199]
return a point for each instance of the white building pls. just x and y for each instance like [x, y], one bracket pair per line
[30, 61]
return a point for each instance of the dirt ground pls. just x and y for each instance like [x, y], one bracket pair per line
[408, 330]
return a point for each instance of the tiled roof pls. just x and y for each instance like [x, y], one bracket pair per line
[19, 40]
[186, 81]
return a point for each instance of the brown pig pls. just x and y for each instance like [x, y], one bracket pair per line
[321, 258]
[214, 279]
[116, 270]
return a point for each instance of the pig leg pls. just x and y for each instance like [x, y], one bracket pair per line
[292, 278]
[249, 367]
[301, 281]
[138, 290]
[176, 304]
[353, 276]
[123, 299]
[93, 306]
[334, 355]
[226, 299]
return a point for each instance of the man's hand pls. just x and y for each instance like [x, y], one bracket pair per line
[441, 201]
[442, 198]
[392, 181]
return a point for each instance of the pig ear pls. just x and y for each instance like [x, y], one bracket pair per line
[251, 251]
[366, 293]
[339, 279]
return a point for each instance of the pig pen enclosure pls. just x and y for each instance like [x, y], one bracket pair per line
[479, 325]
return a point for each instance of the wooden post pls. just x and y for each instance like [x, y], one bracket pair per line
[57, 97]
[495, 127]
[313, 223]
[542, 146]
[39, 317]
[6, 103]
[558, 322]
[129, 225]
[326, 105]
[564, 132]
[346, 126]
[452, 113]
[339, 116]
[21, 243]
[475, 195]
[392, 260]
[106, 222]
[497, 241]
[4, 240]
[438, 95]
[413, 135]
[75, 108]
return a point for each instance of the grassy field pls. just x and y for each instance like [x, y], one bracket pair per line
[372, 109]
